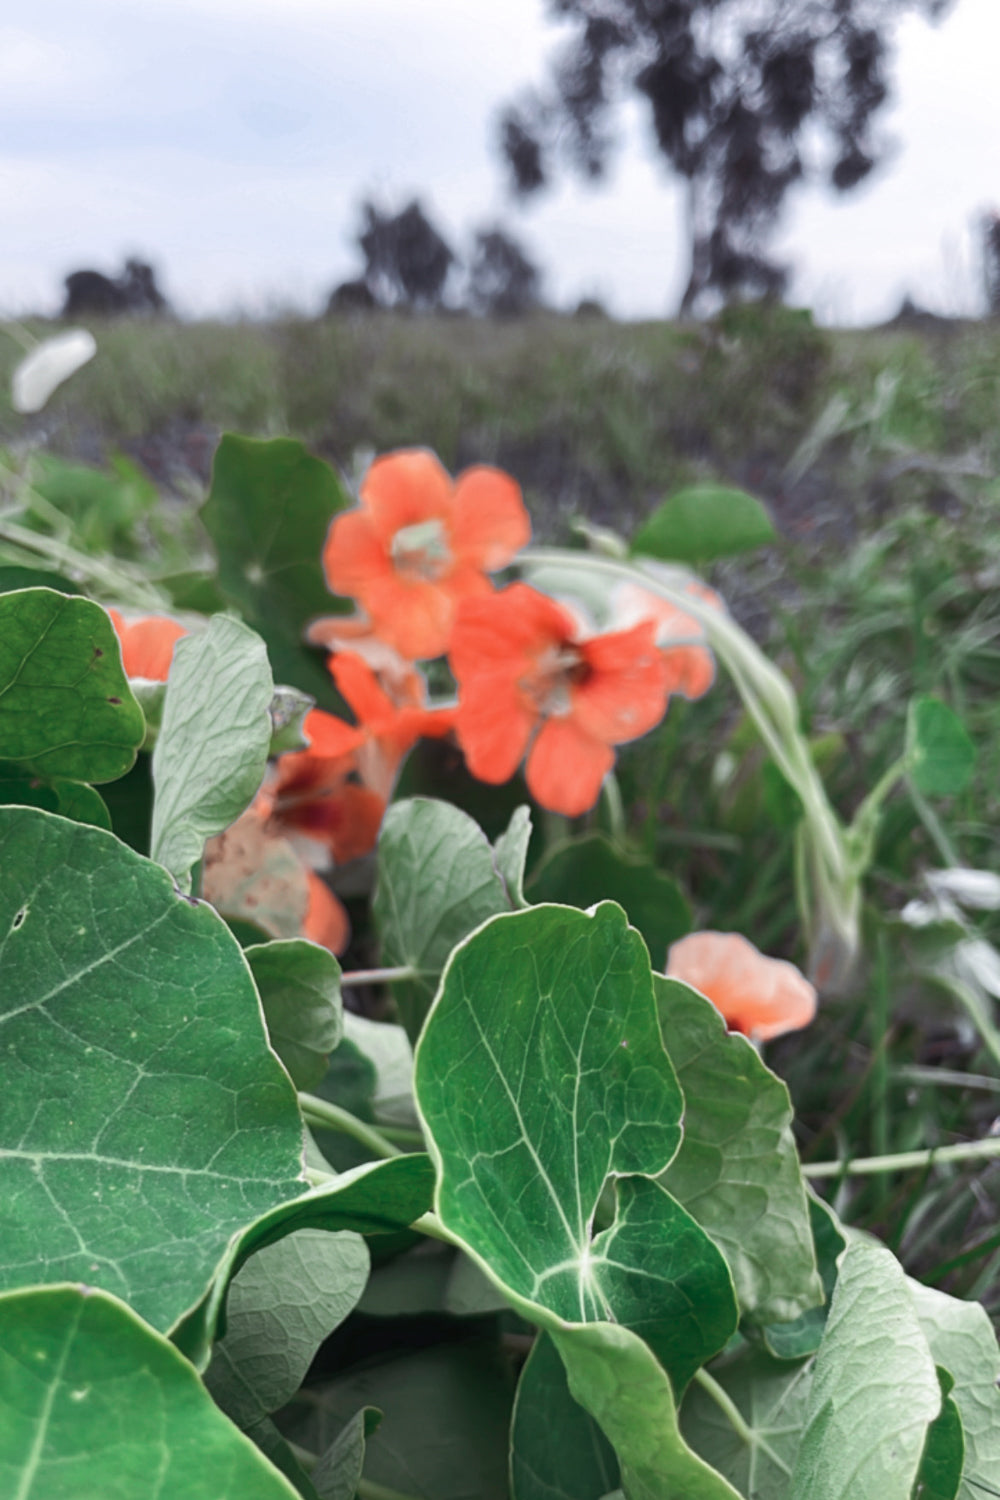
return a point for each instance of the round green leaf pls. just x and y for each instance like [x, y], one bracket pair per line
[557, 1450]
[299, 988]
[772, 1397]
[583, 871]
[940, 753]
[71, 799]
[704, 522]
[66, 709]
[438, 878]
[737, 1171]
[144, 1118]
[268, 513]
[617, 1379]
[93, 1402]
[962, 1339]
[444, 1433]
[541, 1072]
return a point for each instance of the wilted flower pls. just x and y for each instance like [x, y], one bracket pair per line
[759, 996]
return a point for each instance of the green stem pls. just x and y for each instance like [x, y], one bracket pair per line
[611, 793]
[331, 1117]
[20, 335]
[932, 823]
[377, 976]
[946, 1078]
[431, 1225]
[734, 1416]
[905, 1161]
[124, 585]
[880, 1070]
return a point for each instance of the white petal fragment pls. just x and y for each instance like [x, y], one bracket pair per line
[47, 366]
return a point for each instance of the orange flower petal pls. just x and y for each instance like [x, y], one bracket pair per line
[566, 767]
[414, 616]
[353, 555]
[358, 684]
[329, 737]
[489, 522]
[493, 726]
[762, 997]
[326, 921]
[625, 691]
[690, 670]
[403, 489]
[147, 644]
[506, 631]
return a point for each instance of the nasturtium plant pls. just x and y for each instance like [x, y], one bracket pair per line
[563, 1082]
[436, 1188]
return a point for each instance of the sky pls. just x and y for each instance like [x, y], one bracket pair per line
[231, 141]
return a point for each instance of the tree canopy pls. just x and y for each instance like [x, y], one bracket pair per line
[746, 98]
[406, 260]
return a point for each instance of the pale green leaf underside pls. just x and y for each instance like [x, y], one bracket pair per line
[875, 1388]
[772, 1397]
[376, 1198]
[211, 752]
[299, 987]
[93, 1402]
[437, 880]
[737, 1171]
[281, 1306]
[144, 1119]
[961, 1338]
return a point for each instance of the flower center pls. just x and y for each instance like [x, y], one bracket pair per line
[422, 551]
[557, 670]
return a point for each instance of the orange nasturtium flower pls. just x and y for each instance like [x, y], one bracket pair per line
[420, 542]
[335, 792]
[759, 996]
[147, 644]
[531, 682]
[690, 664]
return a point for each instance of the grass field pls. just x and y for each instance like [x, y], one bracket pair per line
[878, 454]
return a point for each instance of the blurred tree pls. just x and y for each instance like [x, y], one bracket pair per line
[503, 282]
[991, 262]
[406, 259]
[747, 98]
[134, 291]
